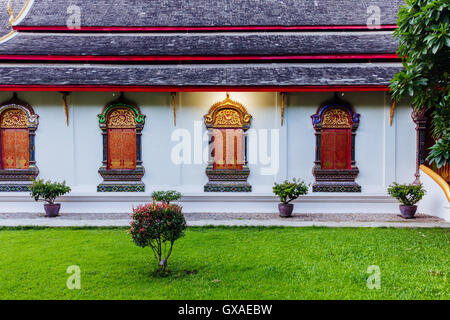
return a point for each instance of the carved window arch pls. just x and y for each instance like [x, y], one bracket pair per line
[335, 170]
[121, 123]
[18, 124]
[227, 122]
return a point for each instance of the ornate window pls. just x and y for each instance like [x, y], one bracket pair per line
[227, 170]
[18, 124]
[121, 123]
[335, 168]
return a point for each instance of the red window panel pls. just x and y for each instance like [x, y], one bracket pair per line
[121, 148]
[228, 149]
[335, 149]
[15, 149]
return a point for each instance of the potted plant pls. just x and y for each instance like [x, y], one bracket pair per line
[48, 191]
[166, 196]
[408, 195]
[287, 192]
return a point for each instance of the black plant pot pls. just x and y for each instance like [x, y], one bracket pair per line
[408, 212]
[52, 210]
[285, 209]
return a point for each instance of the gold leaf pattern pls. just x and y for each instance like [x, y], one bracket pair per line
[121, 118]
[227, 118]
[336, 118]
[14, 118]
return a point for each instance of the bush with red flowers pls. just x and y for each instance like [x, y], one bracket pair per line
[157, 225]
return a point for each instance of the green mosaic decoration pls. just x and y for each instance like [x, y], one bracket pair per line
[336, 188]
[140, 118]
[227, 188]
[14, 188]
[121, 188]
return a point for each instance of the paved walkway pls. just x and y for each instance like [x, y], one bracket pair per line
[229, 219]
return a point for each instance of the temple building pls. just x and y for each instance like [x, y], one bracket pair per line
[215, 99]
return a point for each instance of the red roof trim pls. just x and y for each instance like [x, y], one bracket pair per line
[228, 28]
[107, 88]
[195, 58]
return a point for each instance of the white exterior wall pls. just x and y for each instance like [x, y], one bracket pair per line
[74, 153]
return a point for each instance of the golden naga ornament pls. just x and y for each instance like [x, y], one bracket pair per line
[14, 118]
[121, 118]
[228, 114]
[336, 118]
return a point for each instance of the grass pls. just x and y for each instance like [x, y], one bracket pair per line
[228, 263]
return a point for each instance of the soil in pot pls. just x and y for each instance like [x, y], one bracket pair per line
[408, 212]
[285, 209]
[52, 210]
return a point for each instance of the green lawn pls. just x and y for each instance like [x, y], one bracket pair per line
[228, 263]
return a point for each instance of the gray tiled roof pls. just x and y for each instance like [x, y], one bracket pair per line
[200, 75]
[208, 44]
[211, 12]
[208, 13]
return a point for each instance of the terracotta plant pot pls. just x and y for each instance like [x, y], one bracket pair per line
[52, 210]
[285, 209]
[408, 212]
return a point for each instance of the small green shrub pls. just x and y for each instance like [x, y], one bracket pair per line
[289, 191]
[157, 225]
[407, 194]
[166, 196]
[48, 191]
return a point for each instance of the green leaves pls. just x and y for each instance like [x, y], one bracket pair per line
[166, 196]
[407, 194]
[423, 34]
[440, 152]
[157, 225]
[48, 191]
[289, 191]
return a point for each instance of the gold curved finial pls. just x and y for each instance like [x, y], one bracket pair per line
[11, 15]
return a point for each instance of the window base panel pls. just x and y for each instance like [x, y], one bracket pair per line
[336, 187]
[227, 187]
[106, 187]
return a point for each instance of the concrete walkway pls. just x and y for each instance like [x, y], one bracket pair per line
[230, 219]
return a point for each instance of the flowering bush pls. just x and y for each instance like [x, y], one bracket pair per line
[157, 225]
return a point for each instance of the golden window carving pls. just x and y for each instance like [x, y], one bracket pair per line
[121, 118]
[14, 118]
[336, 118]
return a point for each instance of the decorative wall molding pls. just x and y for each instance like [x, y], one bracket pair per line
[227, 114]
[419, 116]
[121, 114]
[18, 114]
[335, 114]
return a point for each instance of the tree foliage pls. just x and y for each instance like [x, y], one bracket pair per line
[424, 42]
[157, 225]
